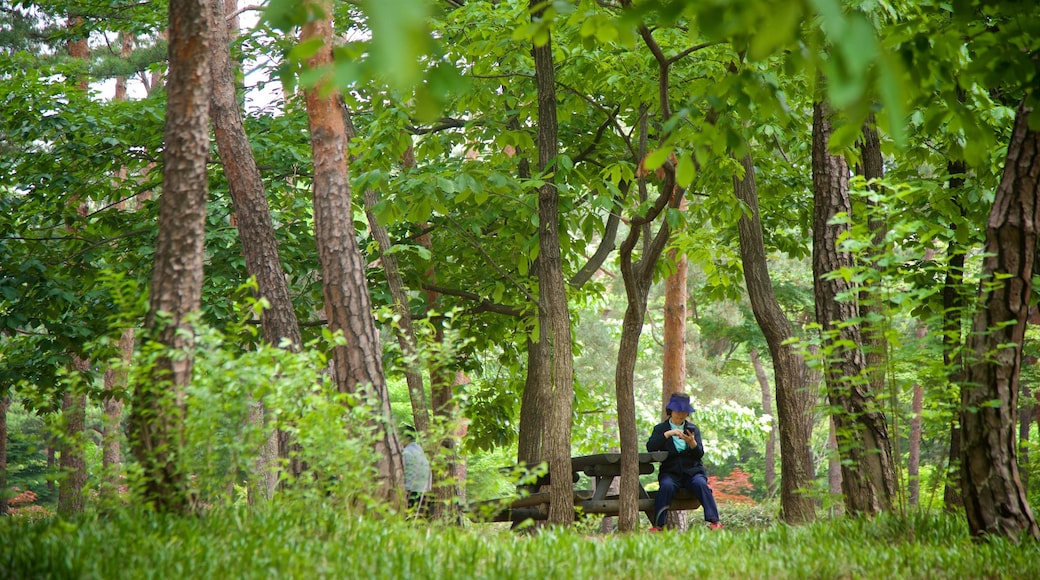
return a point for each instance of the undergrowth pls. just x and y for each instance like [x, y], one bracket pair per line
[316, 541]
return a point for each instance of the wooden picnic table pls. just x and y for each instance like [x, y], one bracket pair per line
[601, 468]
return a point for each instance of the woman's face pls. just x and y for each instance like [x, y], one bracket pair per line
[679, 416]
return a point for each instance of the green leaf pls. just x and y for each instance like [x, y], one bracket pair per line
[656, 158]
[685, 172]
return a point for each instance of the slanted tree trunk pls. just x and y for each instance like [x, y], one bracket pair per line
[255, 229]
[794, 398]
[868, 470]
[157, 420]
[994, 497]
[638, 276]
[357, 365]
[552, 294]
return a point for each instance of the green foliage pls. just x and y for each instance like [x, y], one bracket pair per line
[306, 540]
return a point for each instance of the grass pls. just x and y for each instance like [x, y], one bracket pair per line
[320, 542]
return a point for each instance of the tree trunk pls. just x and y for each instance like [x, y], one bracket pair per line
[112, 433]
[278, 320]
[552, 294]
[868, 470]
[73, 458]
[1027, 411]
[913, 464]
[767, 408]
[157, 422]
[994, 498]
[638, 277]
[954, 306]
[875, 344]
[357, 365]
[833, 468]
[794, 398]
[674, 351]
[405, 329]
[5, 403]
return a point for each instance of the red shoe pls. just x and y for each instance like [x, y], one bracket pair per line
[715, 526]
[656, 529]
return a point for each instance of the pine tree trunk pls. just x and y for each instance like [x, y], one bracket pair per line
[794, 398]
[994, 497]
[157, 422]
[868, 469]
[357, 365]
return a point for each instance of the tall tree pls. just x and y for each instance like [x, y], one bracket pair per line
[673, 376]
[552, 290]
[157, 420]
[794, 397]
[73, 460]
[994, 498]
[255, 227]
[868, 472]
[358, 364]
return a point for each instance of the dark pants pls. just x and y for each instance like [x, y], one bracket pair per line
[670, 484]
[419, 503]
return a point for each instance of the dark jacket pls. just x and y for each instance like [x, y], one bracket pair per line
[688, 462]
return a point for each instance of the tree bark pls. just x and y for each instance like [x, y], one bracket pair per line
[833, 468]
[552, 294]
[157, 422]
[638, 277]
[5, 403]
[771, 443]
[72, 460]
[357, 365]
[994, 498]
[875, 344]
[868, 470]
[253, 215]
[954, 306]
[1027, 411]
[112, 433]
[794, 398]
[674, 350]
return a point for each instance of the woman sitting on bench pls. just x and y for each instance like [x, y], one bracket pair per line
[683, 467]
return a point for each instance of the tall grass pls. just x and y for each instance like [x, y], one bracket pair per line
[317, 541]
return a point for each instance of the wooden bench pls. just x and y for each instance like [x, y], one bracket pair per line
[602, 468]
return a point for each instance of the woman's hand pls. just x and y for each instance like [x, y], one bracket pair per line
[690, 440]
[673, 433]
